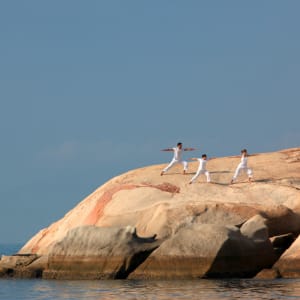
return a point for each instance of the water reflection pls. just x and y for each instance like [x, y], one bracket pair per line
[130, 289]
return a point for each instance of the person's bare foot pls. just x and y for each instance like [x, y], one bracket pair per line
[231, 182]
[184, 172]
[190, 182]
[162, 173]
[250, 179]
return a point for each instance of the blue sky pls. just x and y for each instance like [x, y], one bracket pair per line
[91, 89]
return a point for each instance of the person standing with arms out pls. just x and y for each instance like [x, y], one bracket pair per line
[177, 158]
[201, 169]
[243, 166]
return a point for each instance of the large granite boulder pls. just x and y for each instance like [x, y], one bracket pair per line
[210, 250]
[170, 208]
[160, 205]
[91, 252]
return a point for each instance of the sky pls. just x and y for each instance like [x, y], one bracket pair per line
[92, 89]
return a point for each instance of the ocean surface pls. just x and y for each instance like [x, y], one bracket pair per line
[33, 289]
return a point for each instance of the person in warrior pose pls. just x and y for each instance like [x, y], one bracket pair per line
[242, 166]
[177, 158]
[201, 169]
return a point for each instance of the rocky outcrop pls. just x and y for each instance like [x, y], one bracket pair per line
[91, 252]
[210, 250]
[183, 217]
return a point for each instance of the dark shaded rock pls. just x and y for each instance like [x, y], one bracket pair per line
[282, 242]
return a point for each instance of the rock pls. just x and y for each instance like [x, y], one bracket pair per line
[288, 264]
[281, 243]
[281, 220]
[255, 228]
[160, 205]
[37, 267]
[207, 250]
[268, 274]
[16, 265]
[169, 207]
[17, 260]
[91, 252]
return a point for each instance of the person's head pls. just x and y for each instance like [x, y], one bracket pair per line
[179, 145]
[204, 156]
[244, 151]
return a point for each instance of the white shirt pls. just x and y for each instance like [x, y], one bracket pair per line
[177, 154]
[202, 164]
[244, 161]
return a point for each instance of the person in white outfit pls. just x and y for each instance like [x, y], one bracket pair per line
[201, 169]
[243, 166]
[177, 158]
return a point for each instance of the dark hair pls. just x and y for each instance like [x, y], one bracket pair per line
[178, 144]
[243, 150]
[204, 155]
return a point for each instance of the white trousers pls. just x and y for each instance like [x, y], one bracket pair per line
[199, 172]
[175, 162]
[240, 169]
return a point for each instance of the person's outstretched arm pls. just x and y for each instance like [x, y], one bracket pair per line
[167, 149]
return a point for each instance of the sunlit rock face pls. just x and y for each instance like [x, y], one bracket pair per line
[170, 209]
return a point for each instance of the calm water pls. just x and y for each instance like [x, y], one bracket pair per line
[11, 289]
[126, 289]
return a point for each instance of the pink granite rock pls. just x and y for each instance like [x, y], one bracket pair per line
[163, 205]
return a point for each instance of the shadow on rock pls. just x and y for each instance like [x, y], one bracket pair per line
[211, 251]
[90, 252]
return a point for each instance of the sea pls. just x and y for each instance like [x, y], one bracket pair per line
[221, 289]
